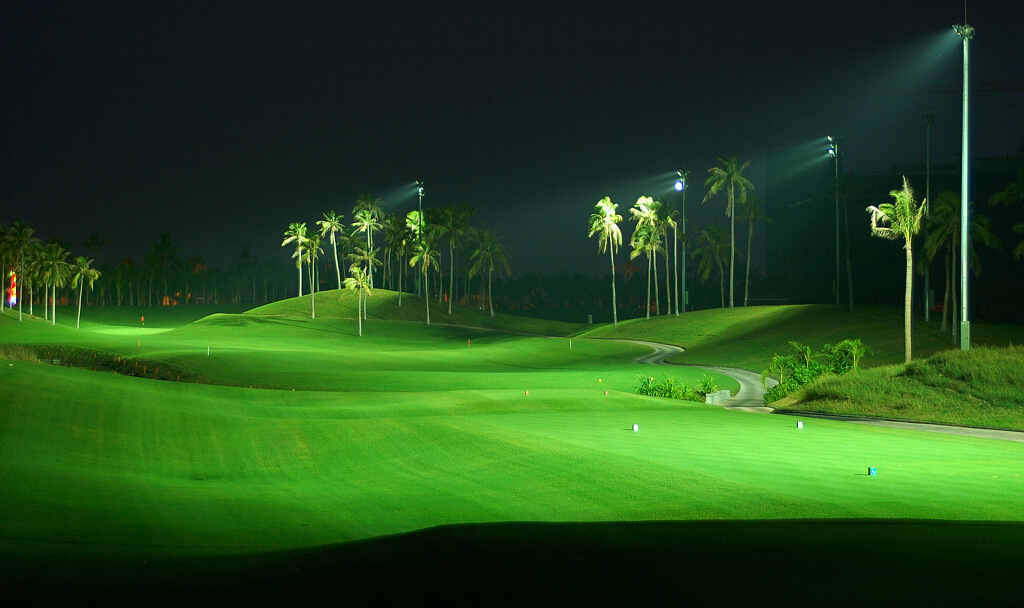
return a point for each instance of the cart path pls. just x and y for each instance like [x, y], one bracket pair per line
[750, 398]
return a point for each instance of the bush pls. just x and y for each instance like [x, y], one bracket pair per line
[801, 368]
[668, 387]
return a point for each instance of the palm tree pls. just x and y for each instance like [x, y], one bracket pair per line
[81, 273]
[396, 244]
[711, 250]
[646, 239]
[163, 258]
[426, 257]
[54, 272]
[310, 249]
[367, 213]
[365, 260]
[903, 217]
[728, 175]
[489, 254]
[296, 233]
[1013, 194]
[358, 281]
[451, 226]
[604, 222]
[751, 210]
[20, 240]
[943, 221]
[331, 224]
[667, 214]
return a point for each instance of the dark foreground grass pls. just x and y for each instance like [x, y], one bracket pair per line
[982, 387]
[826, 562]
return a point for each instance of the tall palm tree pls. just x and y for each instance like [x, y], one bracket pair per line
[331, 225]
[426, 257]
[82, 273]
[943, 221]
[366, 260]
[903, 217]
[310, 250]
[20, 240]
[358, 281]
[711, 250]
[646, 239]
[667, 220]
[728, 176]
[451, 226]
[1013, 194]
[296, 233]
[604, 222]
[54, 272]
[396, 244]
[489, 254]
[751, 210]
[367, 213]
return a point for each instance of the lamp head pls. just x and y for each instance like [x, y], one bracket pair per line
[680, 185]
[964, 31]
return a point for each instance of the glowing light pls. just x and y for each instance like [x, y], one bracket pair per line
[680, 185]
[12, 289]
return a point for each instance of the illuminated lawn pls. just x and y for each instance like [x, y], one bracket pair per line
[412, 427]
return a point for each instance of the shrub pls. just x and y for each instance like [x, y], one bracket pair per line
[668, 388]
[801, 368]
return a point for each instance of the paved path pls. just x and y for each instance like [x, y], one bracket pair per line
[750, 398]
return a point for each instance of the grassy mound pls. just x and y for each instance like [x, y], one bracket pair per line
[982, 387]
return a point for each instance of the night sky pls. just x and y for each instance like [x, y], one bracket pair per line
[222, 122]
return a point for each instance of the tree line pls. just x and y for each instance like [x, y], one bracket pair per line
[399, 252]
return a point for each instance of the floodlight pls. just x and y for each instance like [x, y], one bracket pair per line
[680, 185]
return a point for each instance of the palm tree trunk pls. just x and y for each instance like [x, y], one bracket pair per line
[615, 311]
[954, 318]
[945, 297]
[668, 276]
[849, 268]
[657, 296]
[648, 287]
[907, 295]
[426, 291]
[675, 263]
[337, 266]
[451, 276]
[721, 282]
[746, 283]
[81, 288]
[490, 298]
[732, 241]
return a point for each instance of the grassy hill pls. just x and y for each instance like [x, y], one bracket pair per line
[747, 337]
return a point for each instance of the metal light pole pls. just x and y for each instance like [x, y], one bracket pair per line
[966, 32]
[833, 151]
[929, 120]
[681, 187]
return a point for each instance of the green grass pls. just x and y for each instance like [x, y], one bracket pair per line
[981, 387]
[326, 478]
[748, 337]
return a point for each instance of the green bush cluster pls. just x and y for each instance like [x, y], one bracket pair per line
[670, 388]
[803, 365]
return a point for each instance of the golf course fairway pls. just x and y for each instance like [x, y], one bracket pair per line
[300, 458]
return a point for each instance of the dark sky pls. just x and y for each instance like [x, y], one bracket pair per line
[221, 122]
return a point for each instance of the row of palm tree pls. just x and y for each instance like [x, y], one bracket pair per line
[409, 242]
[654, 219]
[34, 263]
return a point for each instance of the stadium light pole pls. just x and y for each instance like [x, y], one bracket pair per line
[966, 32]
[833, 151]
[681, 187]
[929, 121]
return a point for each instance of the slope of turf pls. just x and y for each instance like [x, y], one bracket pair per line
[748, 337]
